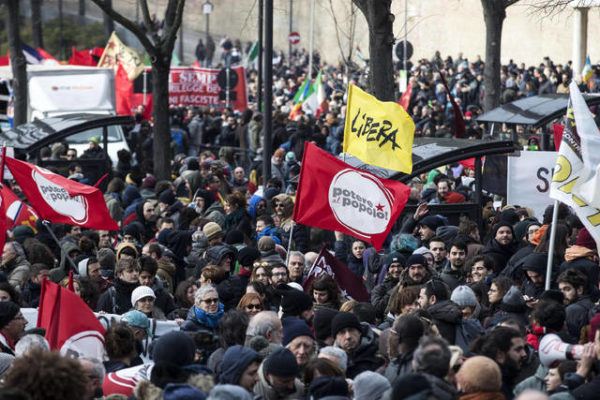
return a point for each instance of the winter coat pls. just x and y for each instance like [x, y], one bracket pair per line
[399, 367]
[364, 357]
[164, 301]
[230, 291]
[380, 296]
[117, 299]
[452, 277]
[446, 315]
[578, 316]
[500, 253]
[198, 319]
[17, 271]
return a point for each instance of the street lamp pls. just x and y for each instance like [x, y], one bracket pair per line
[207, 9]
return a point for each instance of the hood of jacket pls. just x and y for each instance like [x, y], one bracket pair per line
[446, 311]
[235, 361]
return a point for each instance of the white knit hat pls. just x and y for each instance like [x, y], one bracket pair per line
[140, 292]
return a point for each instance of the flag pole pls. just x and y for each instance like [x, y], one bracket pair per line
[46, 223]
[551, 245]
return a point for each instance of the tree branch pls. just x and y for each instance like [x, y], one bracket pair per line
[170, 34]
[508, 3]
[129, 25]
[148, 20]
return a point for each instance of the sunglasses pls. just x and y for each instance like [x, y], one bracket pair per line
[254, 307]
[211, 301]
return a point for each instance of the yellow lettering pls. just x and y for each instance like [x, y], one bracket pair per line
[562, 171]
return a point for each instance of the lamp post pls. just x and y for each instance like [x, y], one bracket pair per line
[207, 9]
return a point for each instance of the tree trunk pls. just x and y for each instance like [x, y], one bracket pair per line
[36, 24]
[109, 24]
[18, 63]
[381, 42]
[160, 113]
[494, 13]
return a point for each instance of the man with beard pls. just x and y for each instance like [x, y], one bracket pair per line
[502, 246]
[427, 227]
[506, 347]
[453, 274]
[416, 272]
[573, 285]
[434, 297]
[380, 296]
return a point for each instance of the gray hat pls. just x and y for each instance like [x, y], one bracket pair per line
[370, 385]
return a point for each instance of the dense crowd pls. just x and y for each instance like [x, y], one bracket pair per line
[457, 310]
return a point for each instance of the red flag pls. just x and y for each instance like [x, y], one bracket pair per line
[61, 200]
[459, 121]
[558, 130]
[405, 98]
[70, 324]
[350, 284]
[17, 212]
[336, 196]
[123, 91]
[4, 60]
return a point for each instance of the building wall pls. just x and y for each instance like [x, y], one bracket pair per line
[450, 26]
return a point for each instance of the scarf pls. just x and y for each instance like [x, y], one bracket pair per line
[209, 320]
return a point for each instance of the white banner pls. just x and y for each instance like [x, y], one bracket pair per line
[528, 180]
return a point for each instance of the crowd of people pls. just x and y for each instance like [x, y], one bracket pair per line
[457, 310]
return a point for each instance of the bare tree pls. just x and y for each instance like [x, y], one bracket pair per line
[381, 41]
[17, 62]
[494, 13]
[81, 11]
[349, 34]
[36, 24]
[160, 49]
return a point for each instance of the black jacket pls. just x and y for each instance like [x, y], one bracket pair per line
[500, 253]
[380, 296]
[364, 358]
[447, 316]
[117, 299]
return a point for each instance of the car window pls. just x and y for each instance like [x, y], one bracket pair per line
[114, 135]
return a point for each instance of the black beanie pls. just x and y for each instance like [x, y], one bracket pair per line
[176, 348]
[247, 256]
[294, 302]
[167, 196]
[281, 363]
[325, 386]
[409, 385]
[415, 259]
[294, 327]
[322, 322]
[8, 312]
[344, 320]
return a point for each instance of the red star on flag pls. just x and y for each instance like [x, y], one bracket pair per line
[379, 207]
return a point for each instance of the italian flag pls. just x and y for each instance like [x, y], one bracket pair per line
[310, 98]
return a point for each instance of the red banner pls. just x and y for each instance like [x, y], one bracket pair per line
[61, 200]
[198, 87]
[17, 212]
[335, 196]
[350, 284]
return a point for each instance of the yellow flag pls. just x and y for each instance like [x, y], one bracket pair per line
[377, 132]
[116, 53]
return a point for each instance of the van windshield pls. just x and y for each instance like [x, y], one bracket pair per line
[114, 135]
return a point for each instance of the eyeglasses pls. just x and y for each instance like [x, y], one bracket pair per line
[211, 301]
[280, 274]
[278, 205]
[254, 307]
